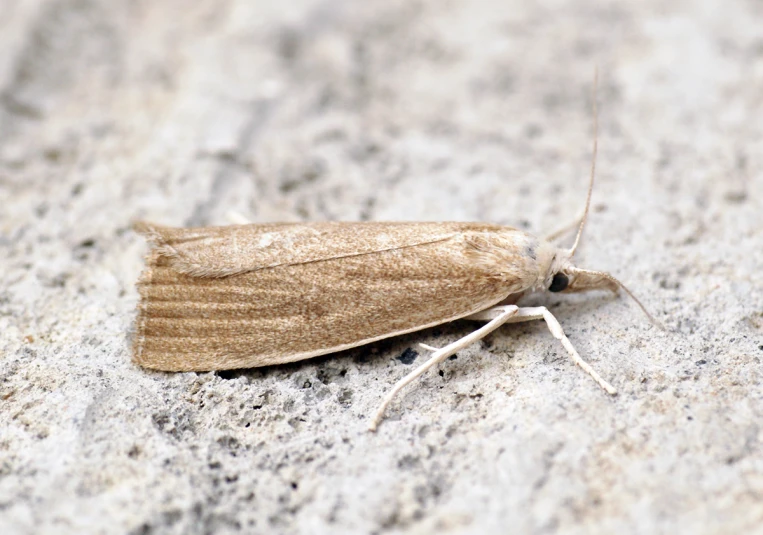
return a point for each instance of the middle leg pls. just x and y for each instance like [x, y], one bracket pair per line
[538, 313]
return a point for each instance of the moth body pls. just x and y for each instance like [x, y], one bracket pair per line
[254, 295]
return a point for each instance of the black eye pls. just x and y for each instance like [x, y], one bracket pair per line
[559, 282]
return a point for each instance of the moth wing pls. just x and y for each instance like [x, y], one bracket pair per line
[302, 307]
[235, 249]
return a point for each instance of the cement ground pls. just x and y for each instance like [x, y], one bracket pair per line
[180, 112]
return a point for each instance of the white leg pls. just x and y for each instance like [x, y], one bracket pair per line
[536, 313]
[491, 313]
[441, 354]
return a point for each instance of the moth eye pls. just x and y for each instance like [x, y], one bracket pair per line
[559, 282]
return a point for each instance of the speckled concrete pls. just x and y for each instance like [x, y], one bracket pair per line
[114, 110]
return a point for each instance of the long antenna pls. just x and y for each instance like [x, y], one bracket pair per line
[593, 160]
[657, 323]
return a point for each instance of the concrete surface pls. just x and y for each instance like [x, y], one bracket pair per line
[179, 112]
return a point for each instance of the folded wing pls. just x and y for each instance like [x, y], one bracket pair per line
[255, 295]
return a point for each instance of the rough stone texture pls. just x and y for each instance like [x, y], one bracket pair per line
[179, 112]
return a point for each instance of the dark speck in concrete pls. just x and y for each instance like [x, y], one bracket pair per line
[408, 356]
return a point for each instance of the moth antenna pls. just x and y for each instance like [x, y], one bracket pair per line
[593, 160]
[619, 284]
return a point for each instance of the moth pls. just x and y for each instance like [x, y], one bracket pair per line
[245, 296]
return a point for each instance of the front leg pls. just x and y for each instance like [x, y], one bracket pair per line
[537, 313]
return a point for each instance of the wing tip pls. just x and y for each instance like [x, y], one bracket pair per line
[155, 234]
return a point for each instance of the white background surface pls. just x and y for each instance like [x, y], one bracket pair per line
[304, 110]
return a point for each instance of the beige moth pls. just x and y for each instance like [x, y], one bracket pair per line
[245, 296]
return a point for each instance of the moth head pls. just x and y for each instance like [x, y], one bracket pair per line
[571, 279]
[561, 275]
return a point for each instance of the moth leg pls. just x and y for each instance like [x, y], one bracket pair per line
[537, 313]
[491, 313]
[440, 355]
